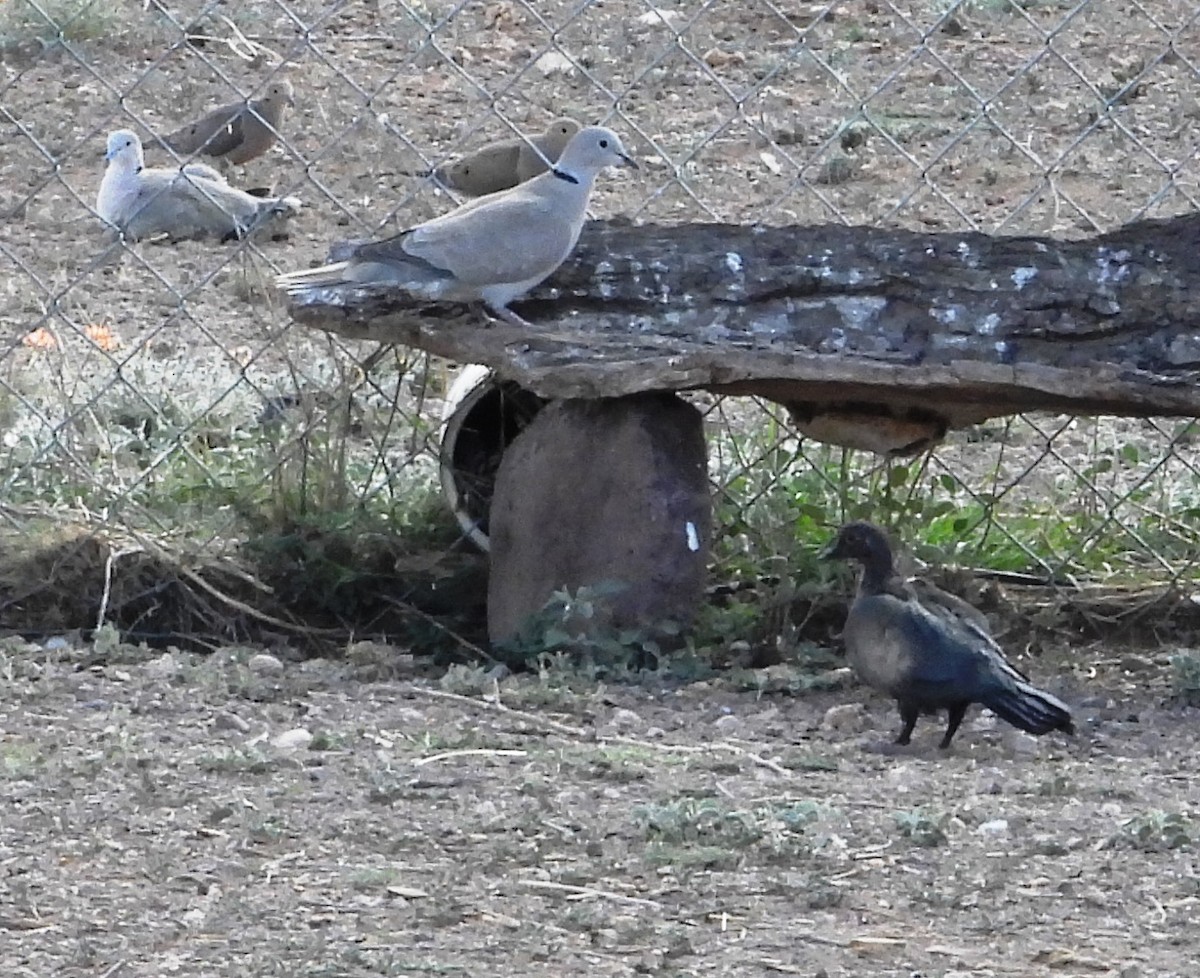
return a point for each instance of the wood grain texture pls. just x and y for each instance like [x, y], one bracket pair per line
[958, 326]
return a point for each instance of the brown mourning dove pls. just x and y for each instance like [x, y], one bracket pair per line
[191, 201]
[238, 132]
[504, 164]
[493, 249]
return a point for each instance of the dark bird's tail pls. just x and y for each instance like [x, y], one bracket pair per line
[1028, 708]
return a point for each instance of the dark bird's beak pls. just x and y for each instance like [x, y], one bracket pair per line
[831, 550]
[629, 161]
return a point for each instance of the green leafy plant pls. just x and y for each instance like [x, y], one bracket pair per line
[574, 630]
[1185, 677]
[47, 21]
[922, 827]
[709, 833]
[1154, 831]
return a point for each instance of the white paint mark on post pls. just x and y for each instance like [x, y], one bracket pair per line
[693, 538]
[1024, 275]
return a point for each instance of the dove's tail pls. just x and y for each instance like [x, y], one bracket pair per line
[314, 278]
[1028, 708]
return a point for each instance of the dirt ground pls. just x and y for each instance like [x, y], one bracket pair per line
[156, 824]
[221, 816]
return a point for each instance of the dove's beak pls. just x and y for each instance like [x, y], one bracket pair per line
[629, 160]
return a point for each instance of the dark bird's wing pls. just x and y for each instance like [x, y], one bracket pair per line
[942, 602]
[955, 660]
[900, 648]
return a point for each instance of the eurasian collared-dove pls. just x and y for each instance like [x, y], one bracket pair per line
[183, 202]
[493, 249]
[507, 162]
[238, 132]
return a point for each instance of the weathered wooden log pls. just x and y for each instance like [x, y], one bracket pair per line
[935, 330]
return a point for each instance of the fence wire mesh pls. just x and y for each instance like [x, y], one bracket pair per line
[158, 390]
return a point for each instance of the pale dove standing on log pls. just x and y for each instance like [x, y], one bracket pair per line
[238, 132]
[506, 162]
[191, 201]
[493, 249]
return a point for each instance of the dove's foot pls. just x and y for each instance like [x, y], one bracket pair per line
[508, 316]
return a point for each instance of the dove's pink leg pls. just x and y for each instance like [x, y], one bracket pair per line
[510, 317]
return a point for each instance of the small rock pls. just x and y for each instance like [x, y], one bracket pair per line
[727, 722]
[56, 644]
[218, 815]
[849, 717]
[994, 827]
[295, 739]
[655, 732]
[840, 678]
[1048, 845]
[230, 721]
[1136, 663]
[1020, 744]
[625, 719]
[717, 58]
[164, 667]
[265, 664]
[987, 720]
[655, 17]
[555, 63]
[406, 892]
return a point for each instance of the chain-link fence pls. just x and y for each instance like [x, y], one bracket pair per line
[157, 392]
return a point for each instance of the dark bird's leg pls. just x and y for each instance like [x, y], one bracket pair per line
[908, 713]
[955, 717]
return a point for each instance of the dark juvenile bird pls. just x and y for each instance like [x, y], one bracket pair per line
[238, 132]
[931, 656]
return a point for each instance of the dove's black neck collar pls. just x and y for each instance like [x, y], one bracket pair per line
[564, 175]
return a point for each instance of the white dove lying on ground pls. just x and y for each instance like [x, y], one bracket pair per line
[183, 202]
[493, 249]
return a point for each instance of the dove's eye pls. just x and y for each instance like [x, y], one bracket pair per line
[604, 144]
